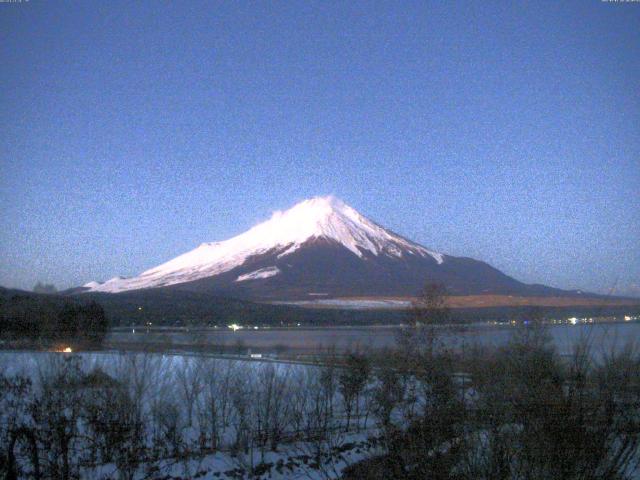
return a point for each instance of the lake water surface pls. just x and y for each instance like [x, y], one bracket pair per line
[604, 336]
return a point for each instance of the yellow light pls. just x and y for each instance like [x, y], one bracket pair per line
[67, 350]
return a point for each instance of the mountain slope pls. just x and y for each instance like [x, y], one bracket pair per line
[319, 247]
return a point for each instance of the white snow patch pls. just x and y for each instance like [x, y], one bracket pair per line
[262, 273]
[351, 304]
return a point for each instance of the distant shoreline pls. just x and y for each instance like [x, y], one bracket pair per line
[462, 301]
[498, 325]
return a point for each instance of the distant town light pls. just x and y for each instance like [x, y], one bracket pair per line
[573, 320]
[627, 318]
[235, 326]
[67, 350]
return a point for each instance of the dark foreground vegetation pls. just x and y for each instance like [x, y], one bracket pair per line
[517, 412]
[415, 412]
[29, 319]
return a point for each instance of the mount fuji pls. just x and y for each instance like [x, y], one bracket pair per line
[320, 248]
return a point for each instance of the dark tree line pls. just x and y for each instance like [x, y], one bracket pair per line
[52, 319]
[45, 288]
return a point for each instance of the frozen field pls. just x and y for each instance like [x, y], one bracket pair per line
[173, 416]
[159, 416]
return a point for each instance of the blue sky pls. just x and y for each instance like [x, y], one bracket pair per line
[505, 131]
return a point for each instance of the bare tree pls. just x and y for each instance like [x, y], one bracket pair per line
[274, 389]
[299, 399]
[167, 432]
[352, 380]
[429, 313]
[241, 398]
[56, 414]
[208, 405]
[17, 433]
[188, 377]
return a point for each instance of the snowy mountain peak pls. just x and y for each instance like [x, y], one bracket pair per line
[285, 232]
[320, 207]
[309, 218]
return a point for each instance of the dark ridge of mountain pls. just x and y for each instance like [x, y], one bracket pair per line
[321, 248]
[170, 307]
[323, 268]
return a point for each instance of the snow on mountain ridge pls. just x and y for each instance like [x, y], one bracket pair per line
[319, 217]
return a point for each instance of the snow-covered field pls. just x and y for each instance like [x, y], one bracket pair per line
[353, 304]
[160, 416]
[189, 417]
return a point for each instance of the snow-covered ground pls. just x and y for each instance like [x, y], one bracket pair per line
[297, 461]
[349, 303]
[155, 416]
[204, 417]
